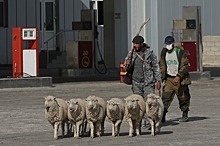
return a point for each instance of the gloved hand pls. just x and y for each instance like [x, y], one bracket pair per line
[158, 85]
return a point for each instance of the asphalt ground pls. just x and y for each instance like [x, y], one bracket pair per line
[22, 120]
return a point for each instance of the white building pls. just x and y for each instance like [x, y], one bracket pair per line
[118, 22]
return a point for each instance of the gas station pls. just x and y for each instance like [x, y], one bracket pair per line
[69, 28]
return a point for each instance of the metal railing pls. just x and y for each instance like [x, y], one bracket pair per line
[55, 37]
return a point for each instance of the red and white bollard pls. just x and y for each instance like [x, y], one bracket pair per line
[122, 73]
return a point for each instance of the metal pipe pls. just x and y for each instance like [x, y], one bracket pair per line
[47, 53]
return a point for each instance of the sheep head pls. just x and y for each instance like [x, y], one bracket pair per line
[132, 104]
[112, 106]
[92, 104]
[50, 104]
[73, 106]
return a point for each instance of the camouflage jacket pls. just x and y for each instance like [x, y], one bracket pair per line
[150, 67]
[183, 65]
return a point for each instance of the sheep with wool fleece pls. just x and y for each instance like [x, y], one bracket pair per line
[56, 114]
[77, 115]
[95, 115]
[154, 112]
[135, 108]
[115, 112]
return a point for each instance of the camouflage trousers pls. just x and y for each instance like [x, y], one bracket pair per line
[142, 89]
[182, 91]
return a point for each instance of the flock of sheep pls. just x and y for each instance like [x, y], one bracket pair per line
[76, 113]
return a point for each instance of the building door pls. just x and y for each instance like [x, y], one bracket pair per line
[48, 24]
[192, 57]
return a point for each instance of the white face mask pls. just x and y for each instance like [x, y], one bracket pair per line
[169, 47]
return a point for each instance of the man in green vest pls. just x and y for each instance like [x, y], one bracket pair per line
[175, 75]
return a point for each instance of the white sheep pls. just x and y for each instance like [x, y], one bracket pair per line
[77, 115]
[56, 114]
[115, 109]
[95, 115]
[154, 112]
[134, 111]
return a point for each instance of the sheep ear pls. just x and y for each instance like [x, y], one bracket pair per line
[125, 99]
[107, 101]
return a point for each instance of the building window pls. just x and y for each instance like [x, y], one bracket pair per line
[100, 13]
[3, 13]
[49, 16]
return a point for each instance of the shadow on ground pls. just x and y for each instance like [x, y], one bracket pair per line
[174, 122]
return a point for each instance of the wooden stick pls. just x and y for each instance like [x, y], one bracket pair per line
[145, 22]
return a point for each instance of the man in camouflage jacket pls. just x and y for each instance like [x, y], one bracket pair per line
[146, 71]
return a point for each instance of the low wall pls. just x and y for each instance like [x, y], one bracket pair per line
[211, 51]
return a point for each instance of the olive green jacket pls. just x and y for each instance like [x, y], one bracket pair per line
[183, 72]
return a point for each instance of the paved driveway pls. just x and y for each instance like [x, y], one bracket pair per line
[22, 121]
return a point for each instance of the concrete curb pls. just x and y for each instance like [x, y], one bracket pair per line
[25, 82]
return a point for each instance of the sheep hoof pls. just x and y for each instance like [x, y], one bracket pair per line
[77, 137]
[55, 138]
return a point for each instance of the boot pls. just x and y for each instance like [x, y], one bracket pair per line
[164, 115]
[184, 117]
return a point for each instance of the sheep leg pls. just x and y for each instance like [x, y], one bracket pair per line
[117, 126]
[113, 128]
[134, 126]
[137, 128]
[152, 127]
[102, 126]
[130, 127]
[91, 129]
[98, 127]
[140, 126]
[158, 127]
[81, 129]
[78, 125]
[74, 129]
[68, 128]
[56, 127]
[84, 126]
[63, 128]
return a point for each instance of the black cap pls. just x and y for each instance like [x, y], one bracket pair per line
[138, 39]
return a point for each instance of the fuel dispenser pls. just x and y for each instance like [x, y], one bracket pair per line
[25, 59]
[80, 52]
[188, 32]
